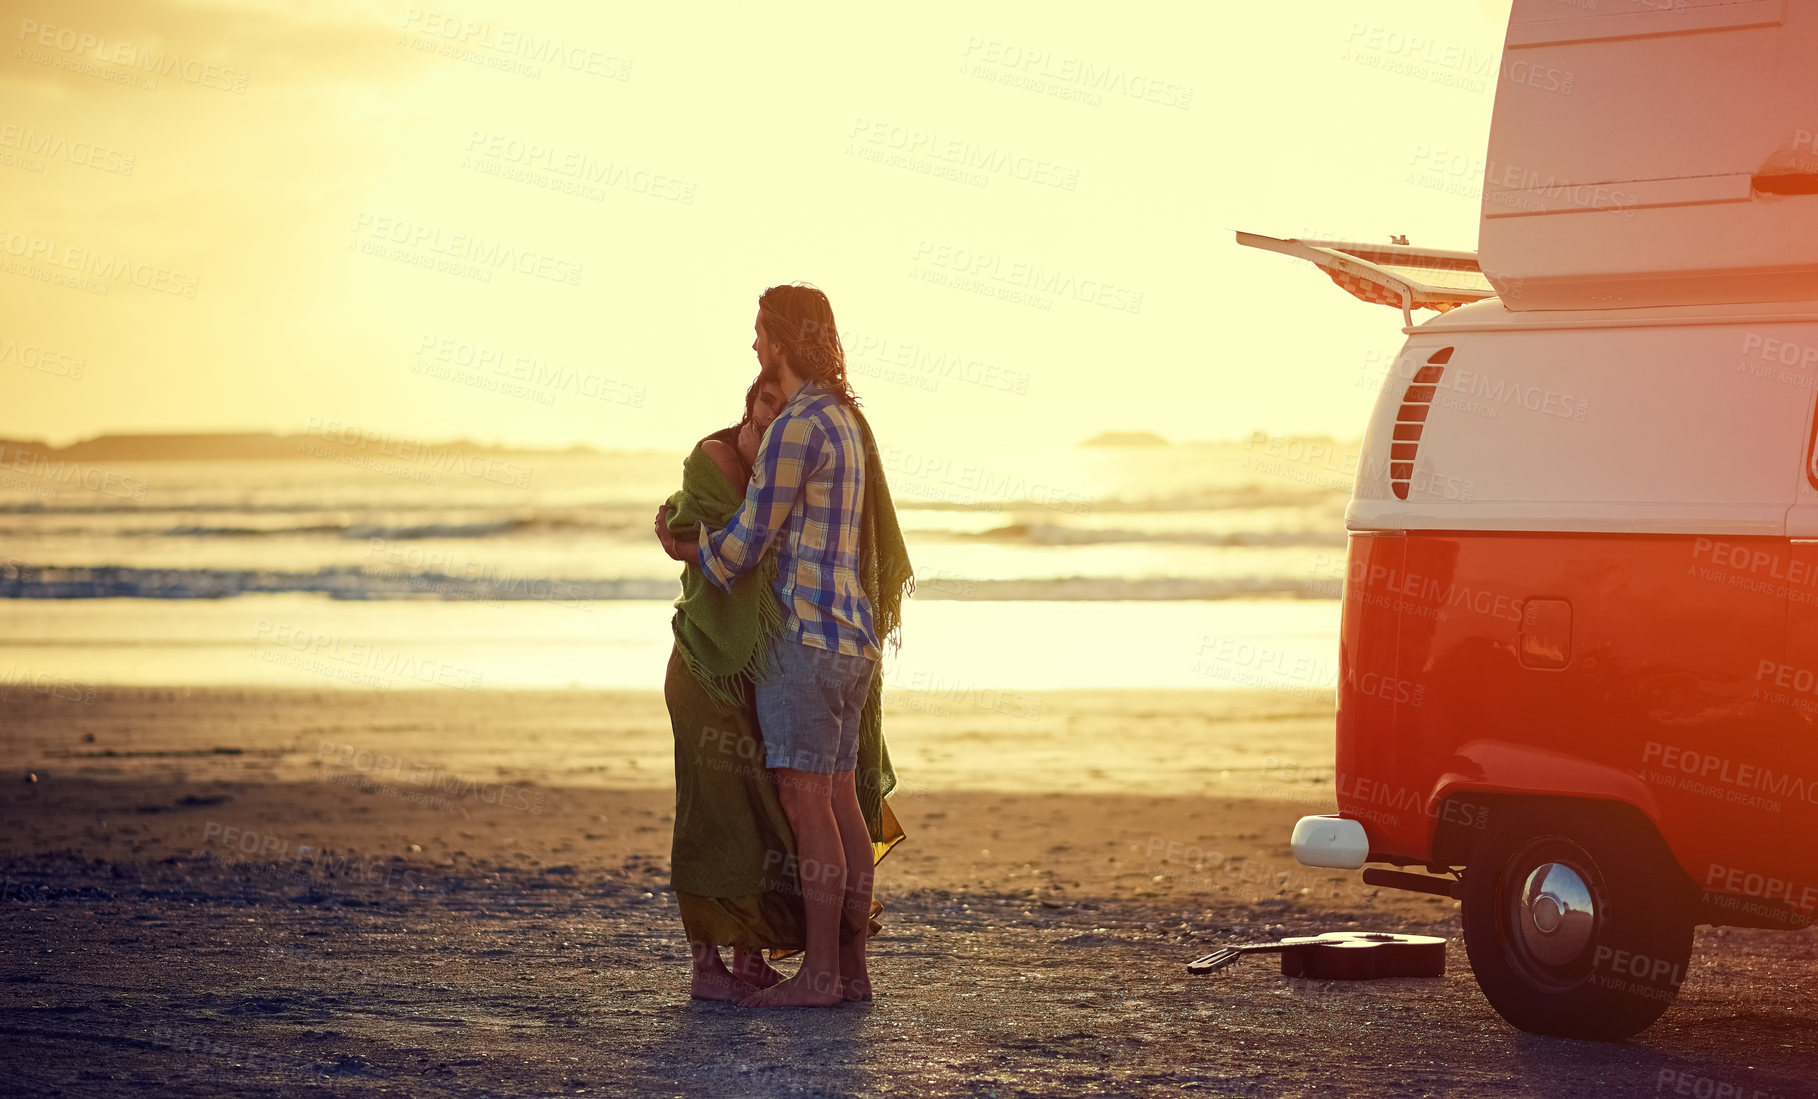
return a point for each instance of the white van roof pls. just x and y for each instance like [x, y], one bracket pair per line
[1653, 152]
[1493, 315]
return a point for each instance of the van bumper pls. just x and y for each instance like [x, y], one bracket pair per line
[1335, 842]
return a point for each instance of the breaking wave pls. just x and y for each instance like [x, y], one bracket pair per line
[118, 582]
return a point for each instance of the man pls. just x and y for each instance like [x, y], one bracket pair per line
[808, 490]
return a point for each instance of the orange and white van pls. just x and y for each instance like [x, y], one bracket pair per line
[1582, 697]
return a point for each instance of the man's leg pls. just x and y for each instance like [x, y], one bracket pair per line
[855, 841]
[807, 799]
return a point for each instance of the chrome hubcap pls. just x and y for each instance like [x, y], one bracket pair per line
[1556, 916]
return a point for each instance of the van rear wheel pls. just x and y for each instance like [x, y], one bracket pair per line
[1576, 922]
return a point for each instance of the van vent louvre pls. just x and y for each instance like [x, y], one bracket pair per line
[1416, 402]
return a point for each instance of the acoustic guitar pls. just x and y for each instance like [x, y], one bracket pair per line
[1341, 956]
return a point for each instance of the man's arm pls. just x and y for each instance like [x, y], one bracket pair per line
[784, 459]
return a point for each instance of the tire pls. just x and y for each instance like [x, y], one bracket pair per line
[1601, 947]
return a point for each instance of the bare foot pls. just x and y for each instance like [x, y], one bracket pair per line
[712, 982]
[855, 988]
[802, 990]
[750, 967]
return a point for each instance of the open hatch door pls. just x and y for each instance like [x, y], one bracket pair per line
[1389, 274]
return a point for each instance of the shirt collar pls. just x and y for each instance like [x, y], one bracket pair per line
[809, 391]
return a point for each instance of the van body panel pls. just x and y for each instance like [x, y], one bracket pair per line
[1686, 428]
[1658, 642]
[1369, 621]
[1675, 673]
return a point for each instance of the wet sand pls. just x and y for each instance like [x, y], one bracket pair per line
[254, 892]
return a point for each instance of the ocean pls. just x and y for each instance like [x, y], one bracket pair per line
[1155, 566]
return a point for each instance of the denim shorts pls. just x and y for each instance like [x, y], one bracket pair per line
[808, 707]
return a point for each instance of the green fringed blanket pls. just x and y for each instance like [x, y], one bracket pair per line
[720, 634]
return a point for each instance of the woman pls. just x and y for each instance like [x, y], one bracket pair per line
[733, 860]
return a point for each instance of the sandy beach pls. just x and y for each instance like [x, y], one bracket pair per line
[255, 891]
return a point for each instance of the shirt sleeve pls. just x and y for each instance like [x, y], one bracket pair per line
[784, 459]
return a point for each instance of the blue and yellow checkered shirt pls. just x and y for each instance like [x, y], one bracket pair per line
[809, 485]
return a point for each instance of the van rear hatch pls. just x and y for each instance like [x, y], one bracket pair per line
[1398, 275]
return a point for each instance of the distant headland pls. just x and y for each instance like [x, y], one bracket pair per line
[235, 446]
[1126, 438]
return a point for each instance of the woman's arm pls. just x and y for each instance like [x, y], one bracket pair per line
[728, 460]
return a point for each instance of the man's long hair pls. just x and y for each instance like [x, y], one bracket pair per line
[798, 319]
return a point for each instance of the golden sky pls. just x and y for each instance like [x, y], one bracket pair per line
[548, 223]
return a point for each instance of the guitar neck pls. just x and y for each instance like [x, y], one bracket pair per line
[1226, 955]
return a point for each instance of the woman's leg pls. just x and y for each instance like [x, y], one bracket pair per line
[712, 980]
[730, 828]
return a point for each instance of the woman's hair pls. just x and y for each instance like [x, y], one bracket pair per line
[798, 320]
[751, 396]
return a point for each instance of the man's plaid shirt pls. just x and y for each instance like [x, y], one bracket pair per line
[808, 485]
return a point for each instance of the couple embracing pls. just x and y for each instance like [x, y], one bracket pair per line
[796, 569]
